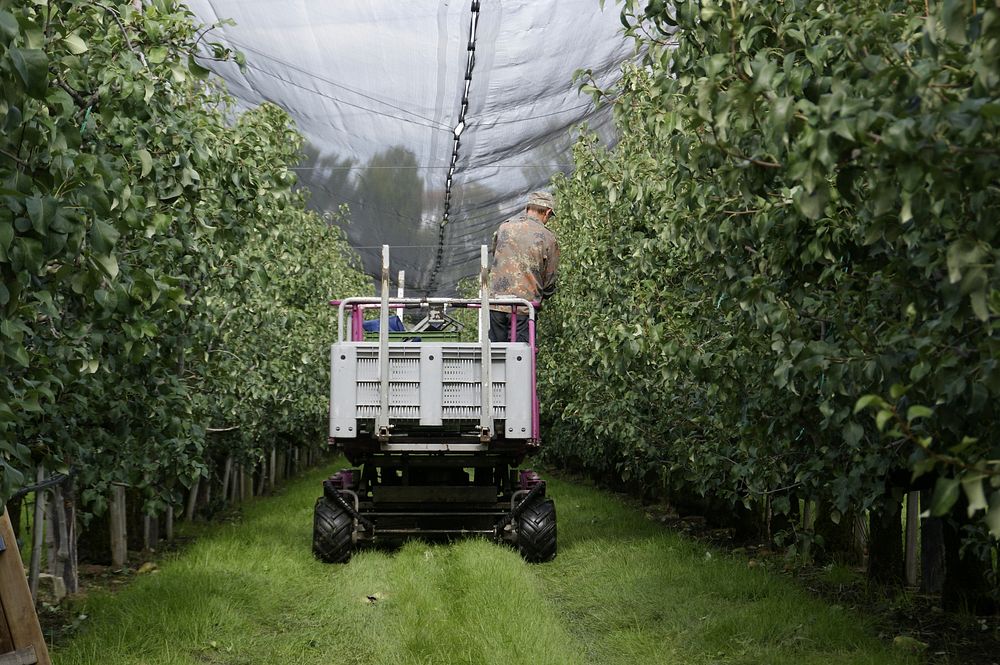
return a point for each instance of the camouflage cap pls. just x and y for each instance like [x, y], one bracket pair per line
[542, 200]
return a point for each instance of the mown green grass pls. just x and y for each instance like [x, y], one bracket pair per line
[622, 590]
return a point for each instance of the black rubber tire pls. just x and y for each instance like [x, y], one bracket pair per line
[536, 531]
[332, 530]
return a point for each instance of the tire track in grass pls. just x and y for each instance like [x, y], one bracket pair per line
[472, 603]
[622, 590]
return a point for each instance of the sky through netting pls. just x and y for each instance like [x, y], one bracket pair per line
[382, 89]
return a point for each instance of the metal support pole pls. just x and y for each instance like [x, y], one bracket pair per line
[486, 412]
[382, 423]
[399, 293]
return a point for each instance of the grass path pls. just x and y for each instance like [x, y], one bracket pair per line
[622, 590]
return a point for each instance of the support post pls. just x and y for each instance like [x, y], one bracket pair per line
[809, 526]
[169, 519]
[272, 469]
[37, 531]
[486, 402]
[400, 293]
[912, 564]
[192, 501]
[382, 422]
[119, 534]
[60, 526]
[227, 471]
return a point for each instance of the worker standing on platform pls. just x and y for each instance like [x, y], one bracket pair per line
[525, 264]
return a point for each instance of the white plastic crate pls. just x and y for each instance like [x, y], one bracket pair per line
[430, 384]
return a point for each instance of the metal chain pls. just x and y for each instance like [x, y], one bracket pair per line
[470, 65]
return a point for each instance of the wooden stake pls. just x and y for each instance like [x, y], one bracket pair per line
[912, 564]
[226, 473]
[60, 533]
[19, 627]
[809, 526]
[119, 529]
[37, 531]
[150, 532]
[272, 470]
[169, 527]
[192, 501]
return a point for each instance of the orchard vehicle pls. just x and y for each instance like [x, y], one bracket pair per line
[435, 435]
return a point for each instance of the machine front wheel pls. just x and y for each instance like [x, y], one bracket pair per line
[332, 530]
[536, 531]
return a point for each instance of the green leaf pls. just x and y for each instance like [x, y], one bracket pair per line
[945, 496]
[883, 417]
[953, 17]
[108, 264]
[8, 26]
[103, 236]
[918, 411]
[32, 66]
[6, 238]
[157, 54]
[75, 43]
[962, 253]
[199, 72]
[19, 355]
[978, 301]
[147, 162]
[973, 486]
[811, 204]
[868, 400]
[993, 515]
[41, 211]
[31, 253]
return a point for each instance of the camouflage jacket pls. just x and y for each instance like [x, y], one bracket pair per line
[525, 260]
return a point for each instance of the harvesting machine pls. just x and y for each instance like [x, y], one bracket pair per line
[435, 434]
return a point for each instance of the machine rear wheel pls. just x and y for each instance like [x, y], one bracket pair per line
[332, 530]
[536, 531]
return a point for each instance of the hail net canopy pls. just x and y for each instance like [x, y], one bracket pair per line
[431, 119]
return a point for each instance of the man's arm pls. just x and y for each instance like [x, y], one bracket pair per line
[551, 273]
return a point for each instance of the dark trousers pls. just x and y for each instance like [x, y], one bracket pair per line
[500, 327]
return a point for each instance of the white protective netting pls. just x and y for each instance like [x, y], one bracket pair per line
[379, 87]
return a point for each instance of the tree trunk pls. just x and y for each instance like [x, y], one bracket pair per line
[885, 543]
[61, 536]
[272, 469]
[37, 533]
[931, 552]
[966, 581]
[192, 501]
[808, 528]
[169, 519]
[262, 476]
[150, 533]
[119, 530]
